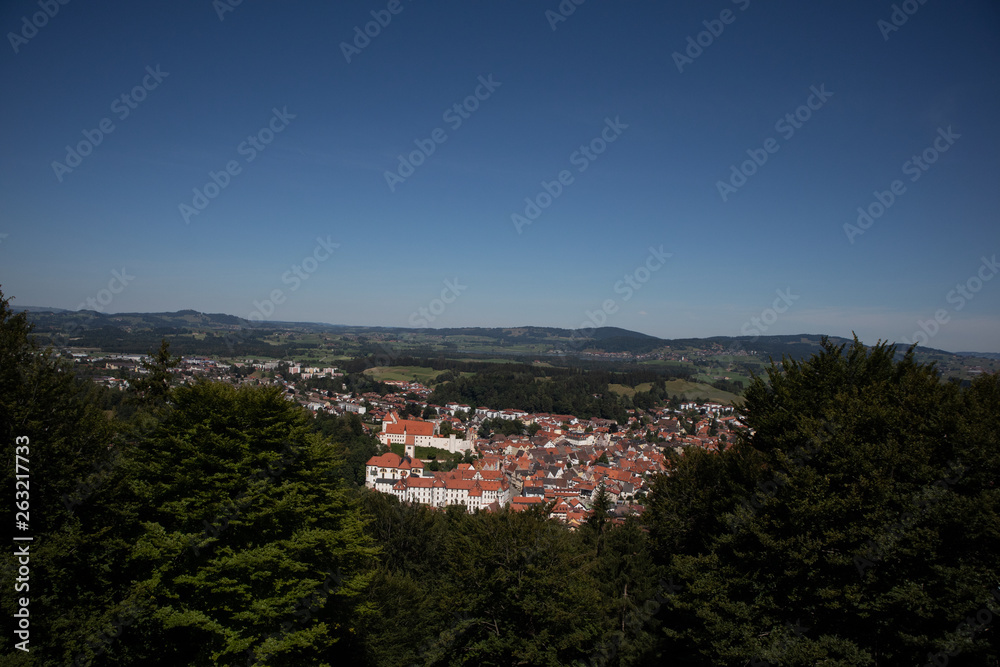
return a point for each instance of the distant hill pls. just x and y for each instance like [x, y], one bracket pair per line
[985, 355]
[208, 331]
[41, 309]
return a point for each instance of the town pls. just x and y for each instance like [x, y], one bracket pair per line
[557, 461]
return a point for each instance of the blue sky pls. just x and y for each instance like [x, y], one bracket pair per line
[673, 130]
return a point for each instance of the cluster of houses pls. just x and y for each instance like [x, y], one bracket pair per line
[419, 433]
[403, 477]
[561, 466]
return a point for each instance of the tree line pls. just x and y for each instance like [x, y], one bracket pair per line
[856, 522]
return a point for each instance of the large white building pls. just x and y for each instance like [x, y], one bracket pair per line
[419, 434]
[402, 476]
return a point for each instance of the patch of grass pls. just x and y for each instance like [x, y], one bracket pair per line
[425, 453]
[621, 390]
[624, 390]
[689, 390]
[421, 374]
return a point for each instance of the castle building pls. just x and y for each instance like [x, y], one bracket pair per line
[402, 476]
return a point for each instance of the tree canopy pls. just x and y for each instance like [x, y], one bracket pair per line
[862, 505]
[856, 521]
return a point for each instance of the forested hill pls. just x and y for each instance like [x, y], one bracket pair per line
[191, 332]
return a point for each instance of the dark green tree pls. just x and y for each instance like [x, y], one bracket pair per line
[71, 450]
[852, 509]
[600, 515]
[249, 548]
[517, 593]
[152, 387]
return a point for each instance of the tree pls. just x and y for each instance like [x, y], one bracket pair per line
[629, 582]
[353, 444]
[852, 509]
[509, 591]
[153, 388]
[600, 514]
[248, 547]
[70, 452]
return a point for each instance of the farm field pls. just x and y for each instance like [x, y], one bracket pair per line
[421, 374]
[689, 390]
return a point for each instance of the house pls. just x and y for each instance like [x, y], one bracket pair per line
[402, 477]
[390, 466]
[419, 434]
[406, 431]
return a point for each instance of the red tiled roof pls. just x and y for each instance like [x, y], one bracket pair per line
[393, 460]
[410, 427]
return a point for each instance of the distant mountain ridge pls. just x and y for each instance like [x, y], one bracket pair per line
[602, 339]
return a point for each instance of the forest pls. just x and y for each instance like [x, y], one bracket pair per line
[553, 390]
[856, 522]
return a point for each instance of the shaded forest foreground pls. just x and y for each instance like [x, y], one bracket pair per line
[209, 525]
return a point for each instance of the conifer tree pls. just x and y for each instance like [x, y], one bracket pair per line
[855, 506]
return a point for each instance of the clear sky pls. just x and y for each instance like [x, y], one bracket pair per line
[644, 127]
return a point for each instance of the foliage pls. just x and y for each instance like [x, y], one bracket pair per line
[503, 426]
[863, 506]
[855, 522]
[563, 391]
[152, 387]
